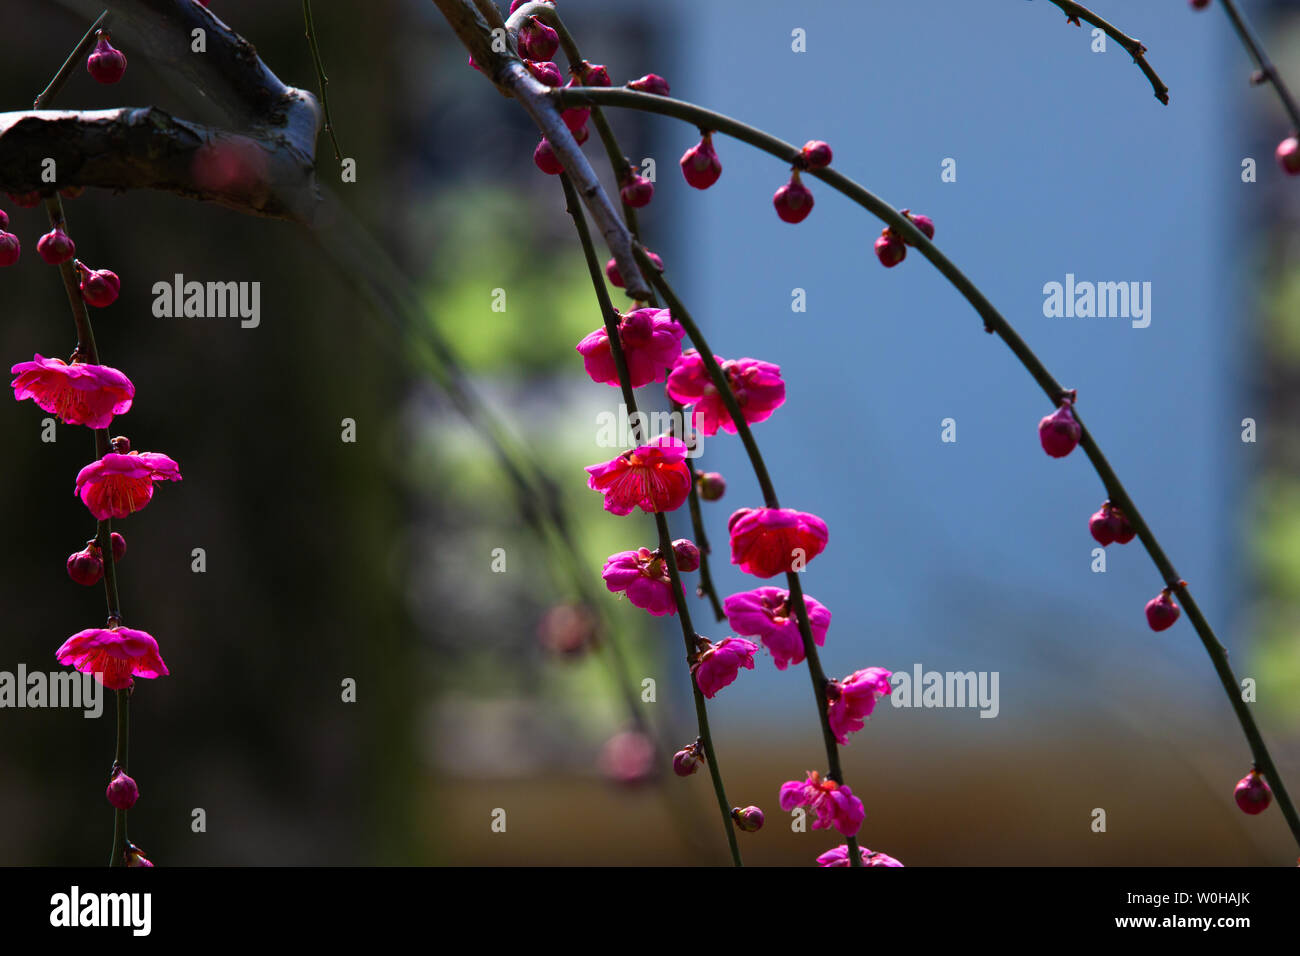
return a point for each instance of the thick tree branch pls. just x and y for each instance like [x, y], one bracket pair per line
[263, 164]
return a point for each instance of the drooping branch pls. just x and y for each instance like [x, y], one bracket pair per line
[260, 160]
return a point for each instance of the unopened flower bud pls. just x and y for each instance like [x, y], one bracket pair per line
[1252, 793]
[1059, 432]
[1162, 612]
[122, 792]
[56, 246]
[106, 63]
[687, 760]
[793, 201]
[86, 567]
[119, 546]
[637, 191]
[546, 159]
[686, 554]
[712, 486]
[816, 154]
[537, 41]
[10, 247]
[650, 83]
[890, 248]
[750, 819]
[99, 287]
[1288, 155]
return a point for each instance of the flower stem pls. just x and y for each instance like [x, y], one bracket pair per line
[1075, 12]
[994, 322]
[610, 316]
[320, 76]
[74, 60]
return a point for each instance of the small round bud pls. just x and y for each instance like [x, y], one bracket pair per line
[537, 41]
[1105, 525]
[1124, 532]
[1162, 612]
[10, 248]
[924, 223]
[546, 160]
[545, 71]
[1198, 4]
[56, 246]
[575, 117]
[750, 819]
[816, 154]
[99, 287]
[581, 134]
[650, 83]
[686, 554]
[890, 248]
[120, 444]
[793, 201]
[686, 761]
[1288, 155]
[119, 546]
[122, 792]
[1059, 432]
[616, 277]
[86, 567]
[700, 164]
[712, 486]
[594, 74]
[637, 191]
[106, 63]
[1252, 793]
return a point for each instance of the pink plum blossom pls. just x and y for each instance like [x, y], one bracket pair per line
[113, 655]
[840, 857]
[835, 804]
[766, 613]
[720, 664]
[757, 385]
[651, 342]
[768, 541]
[853, 699]
[643, 576]
[652, 476]
[79, 394]
[117, 484]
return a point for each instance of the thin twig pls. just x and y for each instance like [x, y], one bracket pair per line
[1074, 12]
[75, 59]
[1268, 73]
[321, 77]
[994, 322]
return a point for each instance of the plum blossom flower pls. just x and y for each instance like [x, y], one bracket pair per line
[719, 664]
[853, 699]
[119, 484]
[766, 613]
[834, 803]
[643, 576]
[79, 394]
[653, 476]
[767, 541]
[651, 340]
[114, 655]
[757, 385]
[840, 857]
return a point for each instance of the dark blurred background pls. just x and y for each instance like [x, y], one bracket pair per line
[373, 560]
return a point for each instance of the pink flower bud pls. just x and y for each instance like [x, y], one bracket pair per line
[1198, 4]
[1162, 611]
[546, 159]
[700, 164]
[1125, 532]
[593, 74]
[122, 791]
[99, 287]
[712, 486]
[816, 154]
[537, 41]
[686, 554]
[86, 567]
[1059, 432]
[545, 71]
[10, 248]
[890, 248]
[637, 191]
[119, 546]
[650, 83]
[793, 201]
[1105, 526]
[1288, 155]
[1252, 793]
[616, 277]
[105, 63]
[55, 246]
[581, 134]
[749, 820]
[687, 760]
[924, 223]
